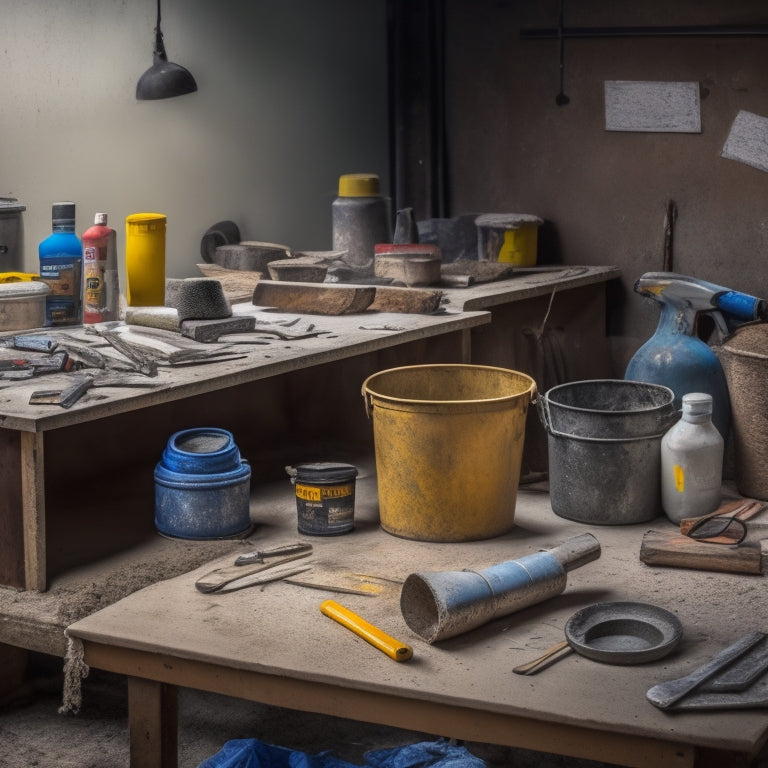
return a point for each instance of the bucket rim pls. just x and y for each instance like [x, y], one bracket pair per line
[743, 330]
[622, 382]
[530, 390]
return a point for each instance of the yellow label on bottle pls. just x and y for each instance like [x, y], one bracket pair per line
[318, 493]
[679, 477]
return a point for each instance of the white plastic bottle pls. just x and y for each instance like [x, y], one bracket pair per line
[692, 461]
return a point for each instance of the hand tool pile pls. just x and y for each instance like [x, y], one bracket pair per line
[440, 605]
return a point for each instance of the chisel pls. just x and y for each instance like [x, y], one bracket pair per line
[378, 639]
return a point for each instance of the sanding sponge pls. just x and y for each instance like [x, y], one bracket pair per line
[201, 298]
[165, 318]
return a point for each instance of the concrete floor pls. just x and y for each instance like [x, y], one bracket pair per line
[33, 733]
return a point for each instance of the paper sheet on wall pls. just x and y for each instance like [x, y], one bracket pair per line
[747, 141]
[656, 107]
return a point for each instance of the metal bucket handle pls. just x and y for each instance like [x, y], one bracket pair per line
[542, 407]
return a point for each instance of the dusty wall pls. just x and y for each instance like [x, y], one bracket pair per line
[290, 96]
[604, 194]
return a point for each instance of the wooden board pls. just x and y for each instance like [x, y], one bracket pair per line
[238, 284]
[208, 331]
[327, 299]
[406, 300]
[658, 107]
[747, 141]
[479, 271]
[672, 548]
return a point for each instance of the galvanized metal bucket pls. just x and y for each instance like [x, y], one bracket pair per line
[604, 444]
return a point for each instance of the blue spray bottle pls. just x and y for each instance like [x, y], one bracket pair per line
[675, 356]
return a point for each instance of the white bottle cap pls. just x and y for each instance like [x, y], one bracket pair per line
[101, 219]
[697, 404]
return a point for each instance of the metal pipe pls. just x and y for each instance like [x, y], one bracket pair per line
[716, 30]
[437, 605]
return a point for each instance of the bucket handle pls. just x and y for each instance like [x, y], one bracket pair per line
[367, 401]
[542, 406]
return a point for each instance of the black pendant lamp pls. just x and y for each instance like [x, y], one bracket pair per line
[164, 79]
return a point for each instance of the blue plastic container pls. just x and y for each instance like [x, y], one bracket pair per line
[202, 486]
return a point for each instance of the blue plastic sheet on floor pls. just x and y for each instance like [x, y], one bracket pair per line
[426, 754]
[252, 753]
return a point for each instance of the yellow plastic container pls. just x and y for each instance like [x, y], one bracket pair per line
[145, 259]
[449, 446]
[511, 238]
[520, 246]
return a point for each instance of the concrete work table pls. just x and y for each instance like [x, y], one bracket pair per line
[271, 644]
[78, 483]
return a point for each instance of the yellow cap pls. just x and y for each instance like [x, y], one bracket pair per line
[359, 185]
[17, 277]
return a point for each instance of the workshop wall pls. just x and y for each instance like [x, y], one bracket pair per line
[511, 148]
[291, 94]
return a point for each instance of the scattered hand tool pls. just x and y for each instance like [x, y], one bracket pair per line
[15, 365]
[732, 679]
[371, 634]
[261, 578]
[58, 361]
[145, 363]
[34, 343]
[220, 577]
[260, 555]
[67, 397]
[83, 354]
[339, 580]
[742, 509]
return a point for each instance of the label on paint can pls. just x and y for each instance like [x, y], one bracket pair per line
[325, 498]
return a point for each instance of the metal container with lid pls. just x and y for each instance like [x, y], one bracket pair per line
[11, 256]
[325, 497]
[22, 305]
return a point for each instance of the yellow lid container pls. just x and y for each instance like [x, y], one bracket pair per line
[359, 185]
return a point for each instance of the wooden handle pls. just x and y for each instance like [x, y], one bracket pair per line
[546, 659]
[378, 639]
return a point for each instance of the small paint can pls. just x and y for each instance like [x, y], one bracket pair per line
[325, 497]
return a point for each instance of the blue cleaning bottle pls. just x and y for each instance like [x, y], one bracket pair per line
[675, 356]
[61, 267]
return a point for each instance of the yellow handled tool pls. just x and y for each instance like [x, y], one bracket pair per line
[378, 639]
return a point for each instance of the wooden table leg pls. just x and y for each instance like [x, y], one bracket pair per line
[153, 723]
[33, 509]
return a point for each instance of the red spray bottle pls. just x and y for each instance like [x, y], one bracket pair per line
[100, 279]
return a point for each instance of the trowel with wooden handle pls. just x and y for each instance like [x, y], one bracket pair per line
[216, 580]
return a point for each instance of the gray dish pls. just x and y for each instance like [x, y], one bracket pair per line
[623, 632]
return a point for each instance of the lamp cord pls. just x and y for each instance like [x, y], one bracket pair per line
[159, 45]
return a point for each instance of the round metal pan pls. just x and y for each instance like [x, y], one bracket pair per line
[623, 632]
[614, 633]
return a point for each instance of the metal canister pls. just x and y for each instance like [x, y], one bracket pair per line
[325, 497]
[361, 218]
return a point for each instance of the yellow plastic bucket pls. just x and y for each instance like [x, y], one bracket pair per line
[449, 444]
